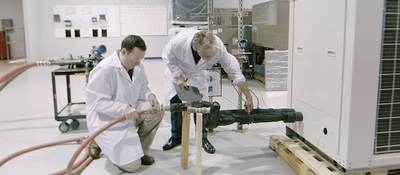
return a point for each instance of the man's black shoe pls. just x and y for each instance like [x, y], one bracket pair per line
[172, 143]
[147, 160]
[208, 147]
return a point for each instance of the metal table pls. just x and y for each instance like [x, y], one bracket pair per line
[73, 110]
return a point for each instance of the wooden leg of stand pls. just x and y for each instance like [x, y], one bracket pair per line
[199, 140]
[185, 140]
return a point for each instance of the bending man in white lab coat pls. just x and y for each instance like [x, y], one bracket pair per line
[117, 86]
[188, 55]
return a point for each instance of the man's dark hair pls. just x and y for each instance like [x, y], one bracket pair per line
[132, 41]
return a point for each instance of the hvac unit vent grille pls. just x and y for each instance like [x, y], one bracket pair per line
[394, 172]
[388, 115]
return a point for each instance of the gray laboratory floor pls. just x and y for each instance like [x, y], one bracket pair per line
[27, 119]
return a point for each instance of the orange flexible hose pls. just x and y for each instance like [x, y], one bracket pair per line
[16, 71]
[80, 162]
[10, 75]
[83, 165]
[91, 138]
[41, 146]
[71, 168]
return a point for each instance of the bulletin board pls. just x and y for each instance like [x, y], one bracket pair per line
[86, 21]
[109, 21]
[143, 20]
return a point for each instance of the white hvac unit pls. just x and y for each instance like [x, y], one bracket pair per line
[344, 76]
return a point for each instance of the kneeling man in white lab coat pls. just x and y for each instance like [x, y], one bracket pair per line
[117, 86]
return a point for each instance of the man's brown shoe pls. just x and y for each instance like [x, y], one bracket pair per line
[147, 160]
[94, 150]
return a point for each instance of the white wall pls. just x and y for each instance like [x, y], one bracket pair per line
[247, 4]
[32, 28]
[12, 9]
[43, 44]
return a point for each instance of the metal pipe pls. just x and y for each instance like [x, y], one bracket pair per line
[202, 110]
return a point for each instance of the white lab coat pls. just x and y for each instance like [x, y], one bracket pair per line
[177, 54]
[110, 94]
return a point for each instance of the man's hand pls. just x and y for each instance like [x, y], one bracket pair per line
[153, 101]
[132, 114]
[249, 99]
[249, 105]
[181, 82]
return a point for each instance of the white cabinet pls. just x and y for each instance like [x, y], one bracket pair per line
[334, 62]
[317, 68]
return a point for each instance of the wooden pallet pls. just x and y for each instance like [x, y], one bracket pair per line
[305, 161]
[302, 159]
[260, 78]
